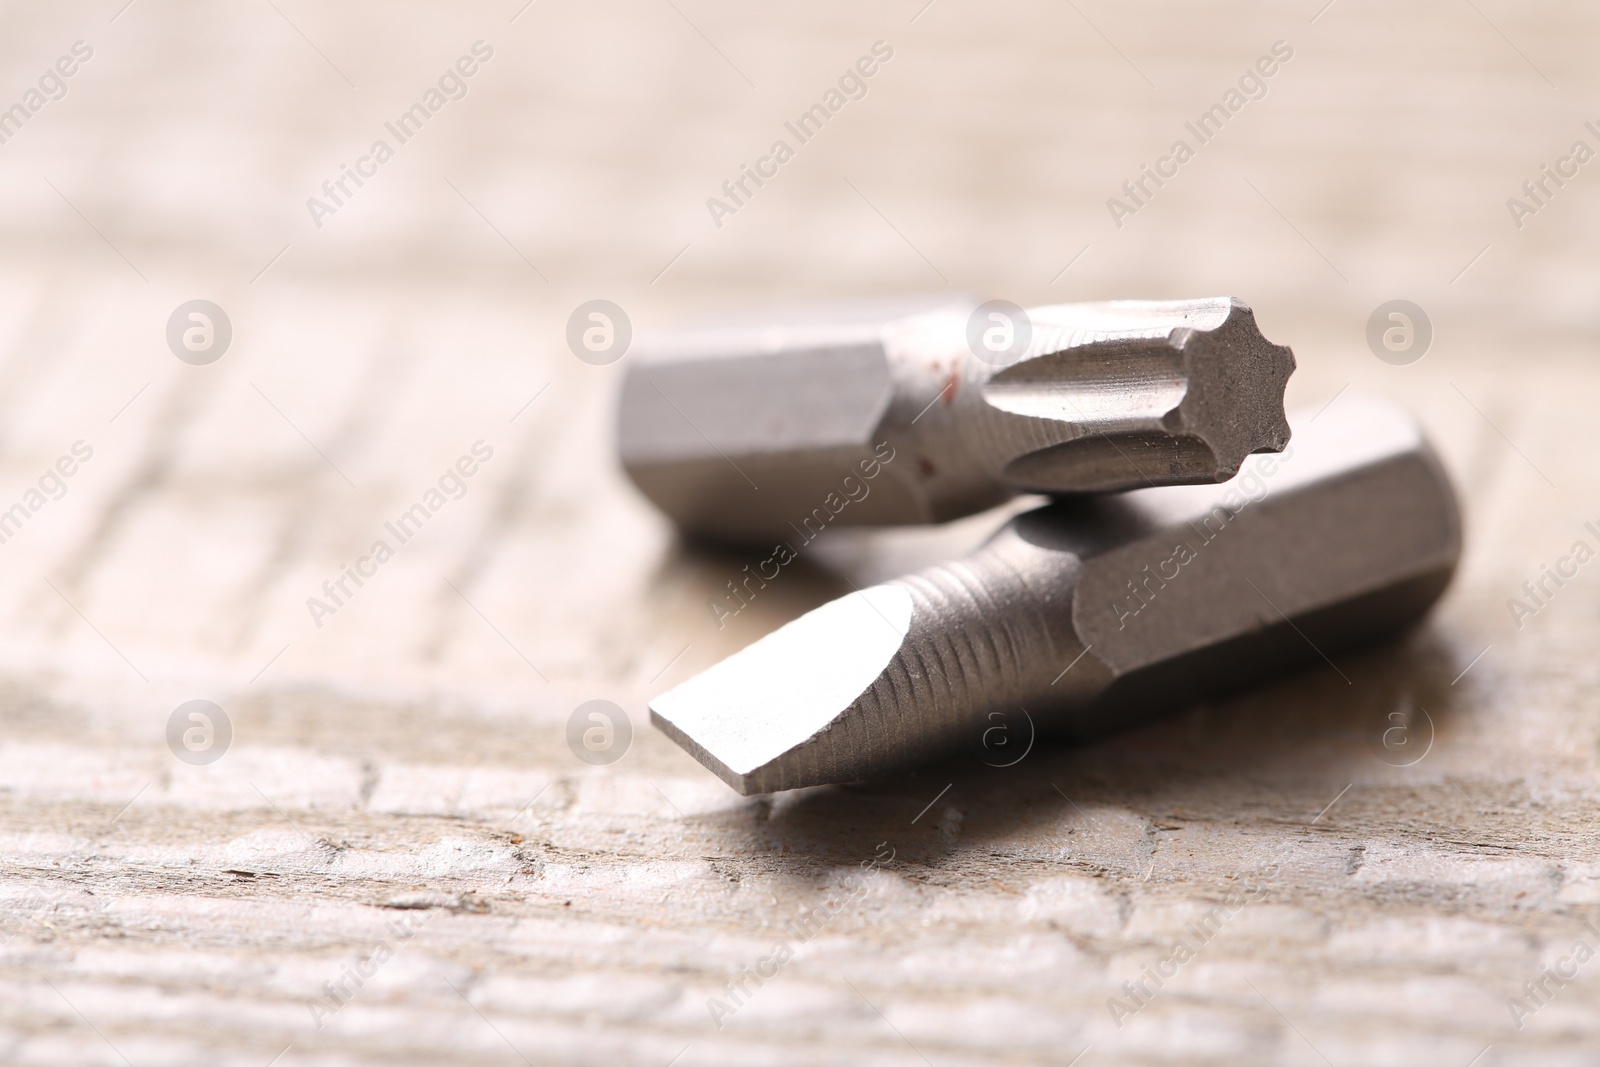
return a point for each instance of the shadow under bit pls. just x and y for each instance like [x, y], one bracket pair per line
[1234, 760]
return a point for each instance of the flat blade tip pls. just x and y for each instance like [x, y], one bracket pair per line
[760, 719]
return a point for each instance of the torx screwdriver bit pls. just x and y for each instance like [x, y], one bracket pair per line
[1089, 615]
[745, 433]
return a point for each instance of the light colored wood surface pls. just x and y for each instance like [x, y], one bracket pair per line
[406, 763]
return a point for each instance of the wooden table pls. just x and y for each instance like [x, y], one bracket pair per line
[398, 859]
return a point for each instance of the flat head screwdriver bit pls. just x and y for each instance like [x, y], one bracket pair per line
[1090, 615]
[744, 433]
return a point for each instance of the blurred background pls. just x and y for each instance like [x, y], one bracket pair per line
[378, 338]
[431, 307]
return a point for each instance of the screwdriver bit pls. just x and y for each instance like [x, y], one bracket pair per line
[744, 433]
[1093, 614]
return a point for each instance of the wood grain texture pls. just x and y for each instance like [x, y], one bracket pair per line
[399, 800]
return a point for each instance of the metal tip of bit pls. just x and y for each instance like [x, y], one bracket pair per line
[751, 717]
[1138, 393]
[1156, 598]
[742, 433]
